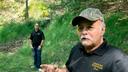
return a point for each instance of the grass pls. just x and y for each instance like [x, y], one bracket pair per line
[117, 32]
[14, 30]
[59, 35]
[19, 61]
[60, 38]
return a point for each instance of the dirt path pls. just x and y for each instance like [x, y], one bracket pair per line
[11, 46]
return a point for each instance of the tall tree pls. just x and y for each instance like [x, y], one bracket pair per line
[26, 11]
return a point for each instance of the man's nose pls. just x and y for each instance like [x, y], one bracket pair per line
[84, 31]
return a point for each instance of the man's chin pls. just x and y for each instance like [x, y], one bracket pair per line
[86, 43]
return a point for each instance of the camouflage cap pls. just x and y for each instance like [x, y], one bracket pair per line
[91, 14]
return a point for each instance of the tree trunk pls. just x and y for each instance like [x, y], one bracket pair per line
[26, 11]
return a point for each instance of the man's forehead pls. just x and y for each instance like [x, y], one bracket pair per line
[36, 24]
[86, 23]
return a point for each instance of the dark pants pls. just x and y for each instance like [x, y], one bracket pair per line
[37, 57]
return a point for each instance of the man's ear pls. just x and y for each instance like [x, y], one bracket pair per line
[103, 30]
[77, 31]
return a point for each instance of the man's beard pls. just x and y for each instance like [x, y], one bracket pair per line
[88, 47]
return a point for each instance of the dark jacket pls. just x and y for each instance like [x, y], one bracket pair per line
[106, 58]
[37, 37]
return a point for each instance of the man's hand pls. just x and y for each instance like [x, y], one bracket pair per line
[52, 68]
[30, 43]
[48, 68]
[31, 46]
[39, 47]
[61, 70]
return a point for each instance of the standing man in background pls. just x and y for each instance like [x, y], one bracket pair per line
[37, 40]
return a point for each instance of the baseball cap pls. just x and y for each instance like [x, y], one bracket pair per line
[90, 14]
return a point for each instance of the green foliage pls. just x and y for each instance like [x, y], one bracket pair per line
[3, 5]
[38, 9]
[20, 61]
[18, 30]
[117, 24]
[15, 30]
[60, 38]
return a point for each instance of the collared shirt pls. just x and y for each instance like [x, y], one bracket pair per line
[105, 58]
[37, 37]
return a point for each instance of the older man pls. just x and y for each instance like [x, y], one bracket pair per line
[93, 53]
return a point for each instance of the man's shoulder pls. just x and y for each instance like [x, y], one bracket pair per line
[40, 31]
[116, 52]
[78, 45]
[77, 48]
[33, 31]
[119, 59]
[115, 49]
